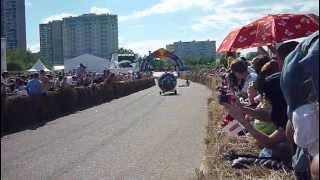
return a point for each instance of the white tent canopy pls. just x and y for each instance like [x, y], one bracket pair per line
[38, 66]
[92, 63]
[58, 68]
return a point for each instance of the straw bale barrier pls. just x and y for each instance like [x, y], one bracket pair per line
[21, 112]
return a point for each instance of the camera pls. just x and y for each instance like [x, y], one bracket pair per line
[224, 97]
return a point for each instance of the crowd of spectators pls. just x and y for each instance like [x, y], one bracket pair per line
[275, 99]
[39, 83]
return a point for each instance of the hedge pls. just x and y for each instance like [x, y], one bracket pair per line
[21, 112]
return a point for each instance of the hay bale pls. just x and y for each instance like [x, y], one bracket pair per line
[67, 100]
[119, 89]
[52, 105]
[108, 92]
[19, 112]
[83, 97]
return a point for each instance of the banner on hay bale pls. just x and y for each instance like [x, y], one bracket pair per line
[233, 128]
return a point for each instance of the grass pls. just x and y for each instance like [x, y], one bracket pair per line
[213, 167]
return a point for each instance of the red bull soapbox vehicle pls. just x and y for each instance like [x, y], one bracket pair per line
[167, 82]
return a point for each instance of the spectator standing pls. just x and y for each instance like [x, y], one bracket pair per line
[51, 82]
[66, 82]
[20, 87]
[34, 86]
[4, 82]
[3, 87]
[44, 81]
[110, 79]
[81, 74]
[4, 77]
[57, 82]
[74, 81]
[20, 84]
[11, 86]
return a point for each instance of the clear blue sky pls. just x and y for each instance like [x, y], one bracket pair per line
[150, 24]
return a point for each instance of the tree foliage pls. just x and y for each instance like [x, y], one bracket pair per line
[125, 51]
[19, 59]
[162, 65]
[223, 61]
[13, 66]
[202, 63]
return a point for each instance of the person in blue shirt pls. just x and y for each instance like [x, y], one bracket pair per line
[34, 86]
[300, 87]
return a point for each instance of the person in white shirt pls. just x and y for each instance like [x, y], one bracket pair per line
[66, 82]
[20, 87]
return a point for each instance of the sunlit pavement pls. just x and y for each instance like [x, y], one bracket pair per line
[141, 136]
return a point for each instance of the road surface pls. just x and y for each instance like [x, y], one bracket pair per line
[141, 136]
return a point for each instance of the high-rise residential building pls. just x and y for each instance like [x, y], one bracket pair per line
[90, 33]
[193, 49]
[13, 23]
[51, 44]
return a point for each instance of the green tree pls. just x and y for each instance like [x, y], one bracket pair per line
[206, 60]
[168, 65]
[198, 64]
[157, 65]
[13, 66]
[223, 61]
[125, 51]
[190, 61]
[21, 58]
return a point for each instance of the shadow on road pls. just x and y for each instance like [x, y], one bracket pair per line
[171, 94]
[183, 85]
[32, 126]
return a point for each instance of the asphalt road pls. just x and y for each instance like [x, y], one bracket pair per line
[142, 136]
